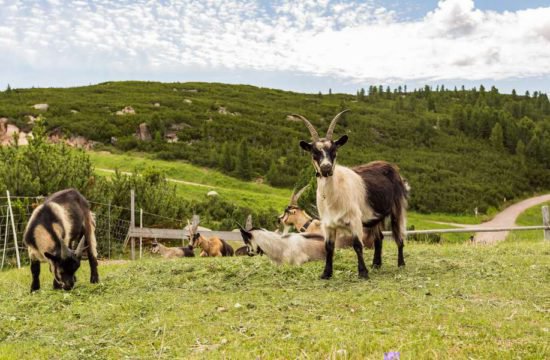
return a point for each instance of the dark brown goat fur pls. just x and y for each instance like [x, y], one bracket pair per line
[63, 218]
[351, 199]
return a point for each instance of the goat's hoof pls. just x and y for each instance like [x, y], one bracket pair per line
[376, 266]
[401, 264]
[326, 276]
[364, 275]
[34, 288]
[94, 279]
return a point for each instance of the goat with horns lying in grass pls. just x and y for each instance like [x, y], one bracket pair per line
[304, 223]
[350, 199]
[213, 246]
[171, 252]
[293, 248]
[62, 219]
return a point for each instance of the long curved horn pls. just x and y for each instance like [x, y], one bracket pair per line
[296, 196]
[189, 229]
[312, 131]
[333, 124]
[248, 224]
[80, 248]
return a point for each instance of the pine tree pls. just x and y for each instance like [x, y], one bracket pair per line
[497, 136]
[8, 88]
[226, 159]
[330, 91]
[243, 168]
[520, 150]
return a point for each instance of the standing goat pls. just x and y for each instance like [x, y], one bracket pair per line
[294, 248]
[213, 246]
[64, 217]
[297, 217]
[350, 199]
[171, 252]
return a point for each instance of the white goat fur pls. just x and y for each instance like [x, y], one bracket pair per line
[167, 252]
[341, 203]
[294, 249]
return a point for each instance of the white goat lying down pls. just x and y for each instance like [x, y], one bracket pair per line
[294, 248]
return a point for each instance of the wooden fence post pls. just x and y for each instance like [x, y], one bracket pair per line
[132, 224]
[14, 232]
[109, 228]
[546, 222]
[140, 237]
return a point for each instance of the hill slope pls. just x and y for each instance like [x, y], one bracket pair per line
[458, 149]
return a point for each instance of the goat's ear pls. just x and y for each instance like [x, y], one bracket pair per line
[341, 141]
[50, 256]
[305, 145]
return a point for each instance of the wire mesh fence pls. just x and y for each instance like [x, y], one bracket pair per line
[112, 225]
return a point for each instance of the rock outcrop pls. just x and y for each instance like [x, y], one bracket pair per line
[128, 110]
[143, 133]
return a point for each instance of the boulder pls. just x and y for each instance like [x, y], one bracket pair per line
[156, 104]
[3, 126]
[171, 137]
[212, 193]
[42, 107]
[187, 101]
[143, 133]
[128, 110]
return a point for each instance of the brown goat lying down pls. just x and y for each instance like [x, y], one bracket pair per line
[211, 247]
[171, 252]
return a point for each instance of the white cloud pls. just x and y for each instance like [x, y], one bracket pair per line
[355, 42]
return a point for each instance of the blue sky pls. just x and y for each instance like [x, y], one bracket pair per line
[310, 45]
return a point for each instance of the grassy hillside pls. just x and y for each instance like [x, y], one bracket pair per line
[458, 149]
[194, 182]
[258, 197]
[451, 301]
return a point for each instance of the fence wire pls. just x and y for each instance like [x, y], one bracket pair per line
[112, 226]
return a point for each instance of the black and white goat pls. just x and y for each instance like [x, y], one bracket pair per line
[349, 199]
[62, 219]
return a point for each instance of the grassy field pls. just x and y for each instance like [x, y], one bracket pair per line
[532, 216]
[451, 301]
[202, 180]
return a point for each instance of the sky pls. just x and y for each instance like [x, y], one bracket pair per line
[306, 46]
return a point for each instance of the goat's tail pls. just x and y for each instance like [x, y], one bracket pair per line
[399, 210]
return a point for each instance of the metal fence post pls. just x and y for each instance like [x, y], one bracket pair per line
[5, 242]
[132, 223]
[546, 222]
[14, 232]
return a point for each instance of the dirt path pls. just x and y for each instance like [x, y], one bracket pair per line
[167, 179]
[507, 218]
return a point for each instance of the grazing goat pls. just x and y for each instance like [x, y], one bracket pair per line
[294, 248]
[213, 246]
[350, 199]
[297, 217]
[171, 252]
[63, 218]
